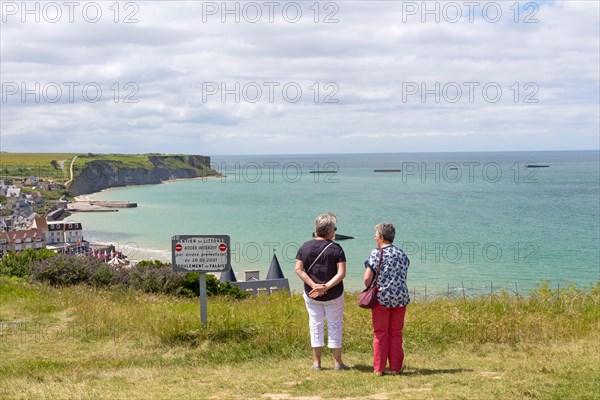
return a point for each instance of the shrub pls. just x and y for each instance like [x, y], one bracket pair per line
[65, 270]
[152, 264]
[149, 276]
[227, 289]
[104, 275]
[154, 279]
[146, 277]
[191, 287]
[20, 264]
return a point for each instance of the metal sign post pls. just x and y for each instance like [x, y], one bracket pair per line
[201, 253]
[203, 311]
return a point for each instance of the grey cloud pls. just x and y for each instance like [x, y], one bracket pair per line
[170, 54]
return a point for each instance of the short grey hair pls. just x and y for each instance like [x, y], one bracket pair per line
[386, 230]
[324, 224]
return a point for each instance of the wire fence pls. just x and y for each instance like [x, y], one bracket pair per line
[421, 293]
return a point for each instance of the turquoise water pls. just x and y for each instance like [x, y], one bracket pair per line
[463, 218]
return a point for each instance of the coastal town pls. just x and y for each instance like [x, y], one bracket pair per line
[28, 220]
[40, 192]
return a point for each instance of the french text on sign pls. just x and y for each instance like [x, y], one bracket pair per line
[200, 253]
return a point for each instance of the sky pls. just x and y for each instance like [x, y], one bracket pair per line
[285, 77]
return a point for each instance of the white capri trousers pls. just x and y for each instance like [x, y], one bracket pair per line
[318, 311]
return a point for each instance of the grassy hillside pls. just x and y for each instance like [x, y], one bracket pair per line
[77, 342]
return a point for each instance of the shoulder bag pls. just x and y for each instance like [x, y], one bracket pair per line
[368, 297]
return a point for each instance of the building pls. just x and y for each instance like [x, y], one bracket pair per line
[18, 202]
[34, 232]
[17, 222]
[4, 243]
[275, 279]
[67, 232]
[31, 181]
[25, 239]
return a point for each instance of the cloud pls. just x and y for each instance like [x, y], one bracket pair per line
[182, 80]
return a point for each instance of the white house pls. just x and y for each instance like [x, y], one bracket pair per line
[64, 232]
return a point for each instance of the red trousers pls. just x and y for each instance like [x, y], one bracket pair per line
[387, 337]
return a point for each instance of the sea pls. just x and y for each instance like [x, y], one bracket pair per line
[479, 220]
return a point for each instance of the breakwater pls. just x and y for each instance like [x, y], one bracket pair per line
[99, 206]
[113, 204]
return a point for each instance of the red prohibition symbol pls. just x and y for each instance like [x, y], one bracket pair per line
[178, 247]
[222, 247]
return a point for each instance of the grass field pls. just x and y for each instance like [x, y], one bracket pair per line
[40, 164]
[35, 164]
[83, 343]
[32, 159]
[122, 160]
[23, 165]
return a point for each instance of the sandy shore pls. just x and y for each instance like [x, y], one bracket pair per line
[194, 179]
[138, 254]
[134, 252]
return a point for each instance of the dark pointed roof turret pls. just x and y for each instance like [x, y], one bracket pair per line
[275, 271]
[228, 275]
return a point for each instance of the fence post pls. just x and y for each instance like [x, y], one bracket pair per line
[463, 289]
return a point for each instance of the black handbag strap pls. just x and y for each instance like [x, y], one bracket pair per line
[322, 251]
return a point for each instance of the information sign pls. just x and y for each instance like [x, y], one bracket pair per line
[200, 253]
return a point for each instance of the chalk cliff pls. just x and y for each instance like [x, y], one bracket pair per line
[101, 174]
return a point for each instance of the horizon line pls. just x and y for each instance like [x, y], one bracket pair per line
[321, 154]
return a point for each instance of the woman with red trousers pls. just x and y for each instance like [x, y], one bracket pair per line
[392, 299]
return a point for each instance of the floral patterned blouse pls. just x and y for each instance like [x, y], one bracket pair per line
[391, 281]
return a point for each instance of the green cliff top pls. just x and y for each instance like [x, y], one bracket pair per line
[56, 166]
